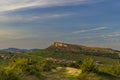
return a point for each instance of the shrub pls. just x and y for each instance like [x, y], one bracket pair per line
[47, 65]
[8, 73]
[90, 76]
[76, 64]
[88, 65]
[113, 70]
[21, 67]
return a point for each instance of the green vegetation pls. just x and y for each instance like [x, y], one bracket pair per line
[19, 69]
[88, 65]
[32, 68]
[113, 70]
[57, 65]
[74, 56]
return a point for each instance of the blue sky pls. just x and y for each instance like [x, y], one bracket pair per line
[38, 23]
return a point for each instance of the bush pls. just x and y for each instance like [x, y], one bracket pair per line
[88, 65]
[90, 76]
[76, 64]
[113, 70]
[21, 67]
[47, 65]
[8, 73]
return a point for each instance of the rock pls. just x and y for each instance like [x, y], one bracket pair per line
[73, 71]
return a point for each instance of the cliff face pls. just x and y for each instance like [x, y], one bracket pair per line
[59, 44]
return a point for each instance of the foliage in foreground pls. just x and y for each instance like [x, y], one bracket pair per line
[113, 70]
[89, 65]
[34, 68]
[20, 68]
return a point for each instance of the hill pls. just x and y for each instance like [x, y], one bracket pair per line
[79, 49]
[70, 52]
[18, 50]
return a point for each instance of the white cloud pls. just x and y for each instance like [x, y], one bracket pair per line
[6, 5]
[19, 18]
[115, 34]
[90, 30]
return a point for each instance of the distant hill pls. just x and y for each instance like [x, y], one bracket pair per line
[79, 49]
[19, 50]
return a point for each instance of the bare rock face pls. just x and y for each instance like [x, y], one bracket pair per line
[59, 44]
[73, 71]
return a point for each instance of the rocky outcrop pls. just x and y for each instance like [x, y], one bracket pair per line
[59, 44]
[80, 49]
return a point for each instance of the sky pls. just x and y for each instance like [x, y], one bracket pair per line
[39, 23]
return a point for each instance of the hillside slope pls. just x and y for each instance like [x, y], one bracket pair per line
[79, 49]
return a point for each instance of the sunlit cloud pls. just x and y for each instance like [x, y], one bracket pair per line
[114, 34]
[6, 5]
[18, 18]
[90, 30]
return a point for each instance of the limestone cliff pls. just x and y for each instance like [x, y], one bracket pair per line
[59, 44]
